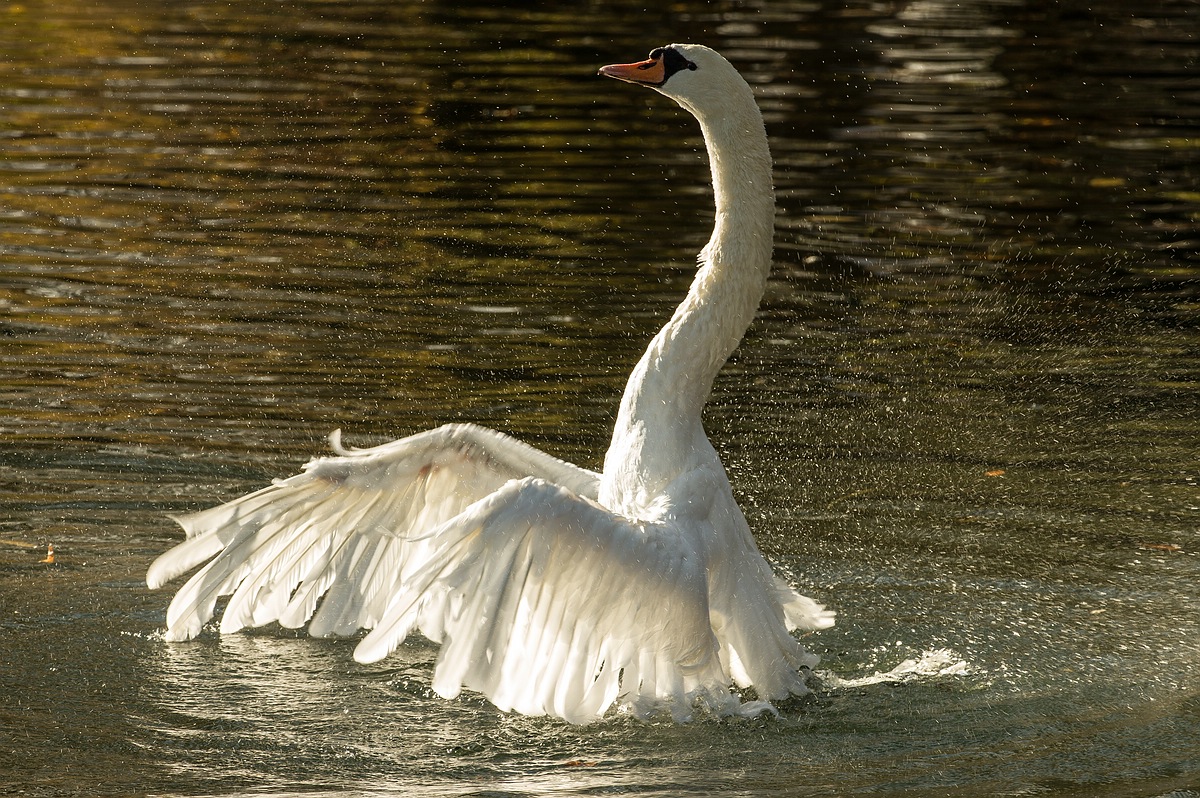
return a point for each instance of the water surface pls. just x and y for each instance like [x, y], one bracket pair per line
[966, 418]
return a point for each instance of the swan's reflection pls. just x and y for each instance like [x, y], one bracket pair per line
[250, 711]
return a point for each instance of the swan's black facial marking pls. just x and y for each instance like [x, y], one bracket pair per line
[672, 62]
[654, 71]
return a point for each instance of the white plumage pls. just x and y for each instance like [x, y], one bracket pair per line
[551, 589]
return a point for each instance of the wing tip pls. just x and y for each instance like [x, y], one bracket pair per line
[178, 635]
[369, 651]
[188, 522]
[807, 615]
[335, 443]
[162, 570]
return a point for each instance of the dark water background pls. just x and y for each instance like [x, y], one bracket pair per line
[967, 418]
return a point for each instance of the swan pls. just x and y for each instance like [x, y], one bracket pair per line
[552, 589]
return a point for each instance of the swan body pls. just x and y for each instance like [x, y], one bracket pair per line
[553, 590]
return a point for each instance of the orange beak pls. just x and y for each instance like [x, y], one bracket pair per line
[649, 73]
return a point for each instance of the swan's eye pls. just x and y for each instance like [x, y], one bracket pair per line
[659, 52]
[673, 61]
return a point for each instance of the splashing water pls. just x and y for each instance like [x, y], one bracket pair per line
[937, 663]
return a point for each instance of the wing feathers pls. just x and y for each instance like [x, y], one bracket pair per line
[347, 529]
[543, 601]
[558, 606]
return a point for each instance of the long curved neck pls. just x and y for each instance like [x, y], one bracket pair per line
[683, 359]
[660, 411]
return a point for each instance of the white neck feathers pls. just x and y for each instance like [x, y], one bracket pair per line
[660, 411]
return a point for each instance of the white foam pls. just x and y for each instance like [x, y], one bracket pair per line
[929, 664]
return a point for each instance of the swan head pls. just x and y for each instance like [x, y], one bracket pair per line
[697, 77]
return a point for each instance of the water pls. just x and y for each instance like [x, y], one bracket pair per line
[966, 418]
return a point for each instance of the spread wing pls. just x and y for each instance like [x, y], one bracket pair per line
[547, 603]
[350, 528]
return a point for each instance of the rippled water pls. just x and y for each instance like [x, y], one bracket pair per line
[966, 418]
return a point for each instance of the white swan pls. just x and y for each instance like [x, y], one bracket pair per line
[552, 589]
